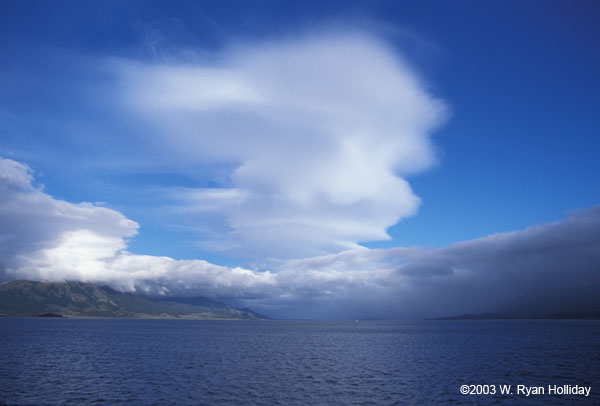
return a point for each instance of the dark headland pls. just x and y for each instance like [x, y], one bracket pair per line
[77, 299]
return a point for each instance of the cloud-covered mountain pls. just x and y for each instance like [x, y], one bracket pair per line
[76, 299]
[547, 267]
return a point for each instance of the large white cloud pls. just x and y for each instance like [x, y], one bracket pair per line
[319, 133]
[31, 220]
[546, 268]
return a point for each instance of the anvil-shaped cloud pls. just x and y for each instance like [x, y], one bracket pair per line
[318, 133]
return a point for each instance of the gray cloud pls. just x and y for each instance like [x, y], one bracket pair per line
[545, 268]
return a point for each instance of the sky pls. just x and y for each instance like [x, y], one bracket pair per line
[329, 160]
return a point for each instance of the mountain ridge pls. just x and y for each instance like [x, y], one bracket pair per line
[80, 299]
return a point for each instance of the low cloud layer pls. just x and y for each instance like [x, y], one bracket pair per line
[316, 134]
[545, 268]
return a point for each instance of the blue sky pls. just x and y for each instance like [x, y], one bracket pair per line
[500, 102]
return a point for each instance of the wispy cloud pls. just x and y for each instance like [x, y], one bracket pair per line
[548, 267]
[320, 133]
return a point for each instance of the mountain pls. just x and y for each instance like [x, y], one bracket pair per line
[78, 299]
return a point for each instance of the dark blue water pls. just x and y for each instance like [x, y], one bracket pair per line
[168, 362]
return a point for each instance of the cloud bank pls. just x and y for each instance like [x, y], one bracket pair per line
[545, 268]
[318, 135]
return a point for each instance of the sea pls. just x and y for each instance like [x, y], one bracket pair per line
[54, 361]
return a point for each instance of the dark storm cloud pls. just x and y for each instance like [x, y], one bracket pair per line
[543, 269]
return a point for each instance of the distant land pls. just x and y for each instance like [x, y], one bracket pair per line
[78, 299]
[543, 316]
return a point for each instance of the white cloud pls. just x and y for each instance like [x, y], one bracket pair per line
[15, 175]
[32, 220]
[320, 133]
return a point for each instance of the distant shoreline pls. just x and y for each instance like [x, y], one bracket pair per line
[500, 316]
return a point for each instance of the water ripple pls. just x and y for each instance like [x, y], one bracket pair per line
[170, 362]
